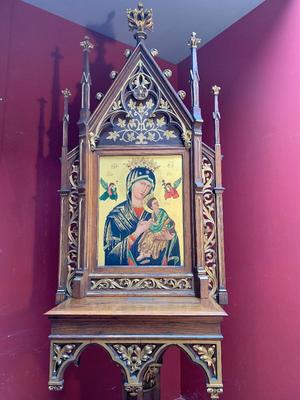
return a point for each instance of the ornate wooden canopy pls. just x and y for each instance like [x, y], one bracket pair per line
[141, 244]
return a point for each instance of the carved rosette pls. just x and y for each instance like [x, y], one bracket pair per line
[141, 115]
[207, 354]
[73, 226]
[61, 353]
[134, 356]
[209, 215]
[142, 283]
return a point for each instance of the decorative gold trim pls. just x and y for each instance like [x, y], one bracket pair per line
[134, 356]
[209, 214]
[207, 355]
[187, 138]
[164, 283]
[92, 141]
[139, 361]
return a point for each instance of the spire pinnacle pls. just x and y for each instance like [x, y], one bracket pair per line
[194, 41]
[140, 19]
[194, 77]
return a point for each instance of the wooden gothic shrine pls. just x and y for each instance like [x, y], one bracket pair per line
[141, 242]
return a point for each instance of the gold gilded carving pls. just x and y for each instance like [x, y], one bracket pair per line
[73, 227]
[209, 226]
[61, 354]
[140, 19]
[92, 141]
[134, 356]
[141, 283]
[187, 138]
[207, 355]
[214, 392]
[141, 115]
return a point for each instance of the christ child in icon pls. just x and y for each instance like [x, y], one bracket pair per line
[159, 233]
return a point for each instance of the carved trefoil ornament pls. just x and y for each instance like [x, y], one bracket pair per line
[134, 356]
[207, 354]
[141, 115]
[165, 283]
[62, 352]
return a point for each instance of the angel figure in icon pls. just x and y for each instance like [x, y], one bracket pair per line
[110, 191]
[170, 189]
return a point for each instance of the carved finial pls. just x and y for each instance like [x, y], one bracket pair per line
[194, 78]
[140, 19]
[66, 93]
[154, 52]
[127, 53]
[167, 73]
[194, 41]
[86, 44]
[216, 89]
[99, 96]
[181, 94]
[113, 74]
[216, 113]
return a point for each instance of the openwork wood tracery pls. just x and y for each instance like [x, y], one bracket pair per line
[135, 313]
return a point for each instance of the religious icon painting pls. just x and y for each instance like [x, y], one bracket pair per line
[140, 211]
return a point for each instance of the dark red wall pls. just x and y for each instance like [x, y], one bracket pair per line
[257, 64]
[40, 55]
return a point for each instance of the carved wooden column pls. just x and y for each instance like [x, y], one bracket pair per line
[222, 292]
[197, 169]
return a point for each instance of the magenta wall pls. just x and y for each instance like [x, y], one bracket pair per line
[257, 64]
[40, 55]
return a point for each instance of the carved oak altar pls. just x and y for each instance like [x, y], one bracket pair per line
[141, 245]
